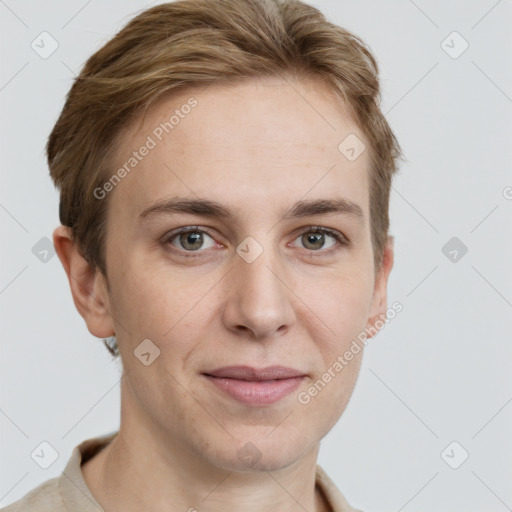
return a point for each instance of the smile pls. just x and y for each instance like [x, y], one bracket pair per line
[256, 387]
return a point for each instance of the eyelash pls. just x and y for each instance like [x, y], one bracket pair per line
[341, 240]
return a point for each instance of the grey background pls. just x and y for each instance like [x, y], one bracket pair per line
[438, 373]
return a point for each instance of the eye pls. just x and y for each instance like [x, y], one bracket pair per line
[314, 239]
[190, 239]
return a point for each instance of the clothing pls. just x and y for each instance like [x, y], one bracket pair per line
[69, 492]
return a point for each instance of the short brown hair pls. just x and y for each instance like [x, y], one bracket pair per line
[186, 43]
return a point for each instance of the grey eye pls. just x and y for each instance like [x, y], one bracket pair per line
[192, 240]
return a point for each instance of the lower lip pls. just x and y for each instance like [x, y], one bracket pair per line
[254, 392]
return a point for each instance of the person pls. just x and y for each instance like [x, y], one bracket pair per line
[224, 172]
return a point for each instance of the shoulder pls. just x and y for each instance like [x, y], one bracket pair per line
[67, 492]
[333, 495]
[43, 498]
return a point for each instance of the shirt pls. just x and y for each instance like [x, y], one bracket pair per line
[69, 492]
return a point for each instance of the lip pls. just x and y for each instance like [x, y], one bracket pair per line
[256, 386]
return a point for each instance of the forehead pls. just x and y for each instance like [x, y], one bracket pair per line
[257, 142]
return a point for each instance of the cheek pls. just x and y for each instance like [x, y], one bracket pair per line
[334, 400]
[168, 309]
[343, 308]
[340, 304]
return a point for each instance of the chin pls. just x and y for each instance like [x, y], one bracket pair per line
[264, 464]
[256, 453]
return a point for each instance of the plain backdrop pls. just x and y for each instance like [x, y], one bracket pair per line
[435, 384]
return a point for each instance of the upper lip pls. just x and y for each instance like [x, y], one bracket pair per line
[255, 374]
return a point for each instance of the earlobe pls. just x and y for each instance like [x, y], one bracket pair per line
[87, 284]
[379, 301]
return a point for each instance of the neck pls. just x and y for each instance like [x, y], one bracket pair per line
[134, 472]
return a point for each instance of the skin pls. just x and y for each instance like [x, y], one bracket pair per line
[257, 148]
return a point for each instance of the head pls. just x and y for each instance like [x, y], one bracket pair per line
[230, 119]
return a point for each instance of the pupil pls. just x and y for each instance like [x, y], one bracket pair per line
[311, 239]
[191, 240]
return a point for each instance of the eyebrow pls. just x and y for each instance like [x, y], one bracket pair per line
[213, 209]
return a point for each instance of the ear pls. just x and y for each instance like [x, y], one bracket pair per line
[380, 301]
[88, 287]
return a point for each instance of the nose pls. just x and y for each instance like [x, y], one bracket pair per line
[258, 298]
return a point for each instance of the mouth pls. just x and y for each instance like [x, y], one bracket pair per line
[256, 386]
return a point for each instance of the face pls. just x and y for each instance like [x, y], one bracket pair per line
[247, 292]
